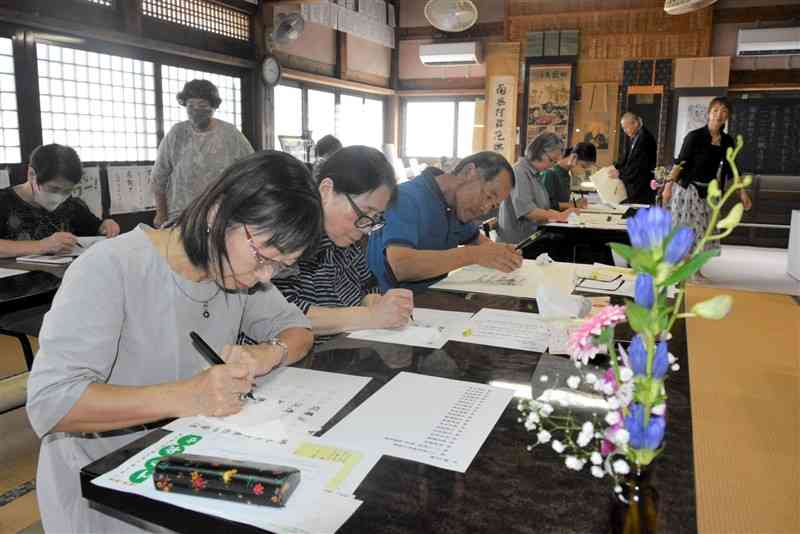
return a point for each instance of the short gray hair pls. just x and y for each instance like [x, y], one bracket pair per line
[543, 144]
[630, 116]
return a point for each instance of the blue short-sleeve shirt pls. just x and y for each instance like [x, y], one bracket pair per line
[421, 219]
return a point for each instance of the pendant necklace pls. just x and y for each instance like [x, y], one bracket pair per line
[206, 313]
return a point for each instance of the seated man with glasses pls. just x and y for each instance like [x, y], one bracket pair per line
[335, 288]
[419, 245]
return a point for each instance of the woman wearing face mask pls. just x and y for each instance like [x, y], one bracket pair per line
[702, 159]
[40, 216]
[194, 152]
[115, 352]
[334, 288]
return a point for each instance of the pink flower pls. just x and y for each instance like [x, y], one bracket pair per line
[581, 343]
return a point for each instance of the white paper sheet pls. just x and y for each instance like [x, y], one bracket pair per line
[559, 333]
[295, 402]
[427, 419]
[611, 190]
[311, 509]
[130, 189]
[10, 272]
[54, 260]
[601, 218]
[508, 329]
[521, 283]
[431, 328]
[88, 241]
[88, 190]
[5, 179]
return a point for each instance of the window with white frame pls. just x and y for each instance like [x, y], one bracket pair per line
[288, 112]
[359, 121]
[101, 105]
[229, 87]
[9, 129]
[437, 128]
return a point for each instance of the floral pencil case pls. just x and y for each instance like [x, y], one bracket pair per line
[231, 480]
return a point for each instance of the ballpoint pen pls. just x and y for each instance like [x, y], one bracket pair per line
[211, 356]
[525, 242]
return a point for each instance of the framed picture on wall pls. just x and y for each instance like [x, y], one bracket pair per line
[549, 93]
[691, 112]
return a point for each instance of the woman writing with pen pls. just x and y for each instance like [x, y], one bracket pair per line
[40, 216]
[335, 287]
[115, 352]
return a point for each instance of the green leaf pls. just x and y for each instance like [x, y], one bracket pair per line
[643, 261]
[623, 250]
[692, 266]
[715, 308]
[638, 316]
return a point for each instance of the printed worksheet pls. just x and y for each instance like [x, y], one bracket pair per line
[429, 328]
[521, 283]
[427, 419]
[508, 329]
[311, 509]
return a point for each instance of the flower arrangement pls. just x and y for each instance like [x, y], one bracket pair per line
[631, 433]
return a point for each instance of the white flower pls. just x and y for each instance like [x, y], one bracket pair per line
[529, 447]
[543, 436]
[621, 467]
[671, 357]
[613, 403]
[612, 418]
[529, 425]
[617, 489]
[599, 386]
[534, 417]
[584, 439]
[587, 427]
[660, 409]
[621, 437]
[543, 378]
[590, 378]
[675, 367]
[625, 393]
[573, 462]
[625, 374]
[597, 471]
[519, 419]
[545, 409]
[573, 382]
[520, 406]
[557, 446]
[596, 458]
[608, 388]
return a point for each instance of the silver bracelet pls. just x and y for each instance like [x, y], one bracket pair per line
[284, 348]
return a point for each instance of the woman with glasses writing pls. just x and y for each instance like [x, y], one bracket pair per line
[115, 352]
[41, 216]
[334, 288]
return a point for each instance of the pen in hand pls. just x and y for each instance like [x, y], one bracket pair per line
[211, 356]
[533, 237]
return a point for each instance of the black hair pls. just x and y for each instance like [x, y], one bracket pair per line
[431, 172]
[720, 101]
[326, 146]
[53, 161]
[540, 146]
[585, 152]
[358, 169]
[269, 191]
[488, 164]
[200, 89]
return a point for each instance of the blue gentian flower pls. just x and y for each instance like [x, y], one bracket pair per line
[649, 227]
[644, 295]
[641, 437]
[637, 354]
[679, 245]
[661, 360]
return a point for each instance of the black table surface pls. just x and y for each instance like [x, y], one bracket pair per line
[29, 289]
[505, 489]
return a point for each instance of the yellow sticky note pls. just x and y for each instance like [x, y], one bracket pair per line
[347, 458]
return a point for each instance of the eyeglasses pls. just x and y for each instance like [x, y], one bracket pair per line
[277, 268]
[364, 221]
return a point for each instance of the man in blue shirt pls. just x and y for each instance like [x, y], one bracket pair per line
[432, 216]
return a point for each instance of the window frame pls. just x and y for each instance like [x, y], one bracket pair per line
[404, 101]
[337, 92]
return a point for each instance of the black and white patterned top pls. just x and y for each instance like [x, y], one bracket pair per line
[335, 277]
[21, 221]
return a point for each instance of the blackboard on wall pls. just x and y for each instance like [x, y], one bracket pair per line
[769, 124]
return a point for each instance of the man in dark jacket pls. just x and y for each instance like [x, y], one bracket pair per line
[638, 160]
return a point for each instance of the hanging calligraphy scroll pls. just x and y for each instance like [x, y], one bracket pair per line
[549, 91]
[500, 123]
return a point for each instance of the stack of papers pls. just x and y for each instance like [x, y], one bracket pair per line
[521, 283]
[65, 258]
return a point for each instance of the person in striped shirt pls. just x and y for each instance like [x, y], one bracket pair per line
[335, 287]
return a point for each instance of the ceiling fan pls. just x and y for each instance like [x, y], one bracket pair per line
[681, 7]
[451, 15]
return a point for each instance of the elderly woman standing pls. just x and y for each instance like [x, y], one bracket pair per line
[194, 152]
[114, 350]
[702, 159]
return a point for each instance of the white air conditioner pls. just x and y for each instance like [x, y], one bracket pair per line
[450, 54]
[768, 42]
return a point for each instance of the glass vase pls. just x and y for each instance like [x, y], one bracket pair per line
[634, 510]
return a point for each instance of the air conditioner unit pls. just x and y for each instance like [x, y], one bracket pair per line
[450, 54]
[768, 42]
